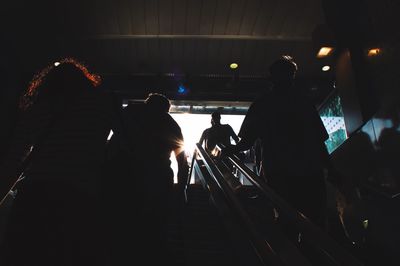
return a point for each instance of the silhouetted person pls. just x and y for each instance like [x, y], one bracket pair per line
[292, 137]
[55, 218]
[124, 185]
[217, 134]
[152, 136]
[389, 144]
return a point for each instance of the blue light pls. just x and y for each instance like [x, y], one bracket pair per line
[181, 89]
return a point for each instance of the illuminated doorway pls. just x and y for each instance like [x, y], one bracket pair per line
[193, 125]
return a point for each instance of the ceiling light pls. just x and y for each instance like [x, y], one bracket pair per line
[56, 63]
[110, 135]
[233, 65]
[326, 68]
[324, 51]
[374, 51]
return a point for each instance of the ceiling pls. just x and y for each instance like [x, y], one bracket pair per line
[145, 45]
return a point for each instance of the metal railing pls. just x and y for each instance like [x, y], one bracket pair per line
[267, 249]
[333, 253]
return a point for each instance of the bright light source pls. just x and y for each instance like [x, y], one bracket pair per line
[374, 51]
[192, 126]
[110, 135]
[365, 224]
[56, 63]
[233, 65]
[326, 68]
[324, 51]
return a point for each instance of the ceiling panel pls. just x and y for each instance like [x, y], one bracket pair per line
[221, 16]
[312, 16]
[293, 25]
[179, 15]
[249, 18]
[273, 18]
[193, 17]
[151, 16]
[123, 16]
[165, 9]
[278, 18]
[207, 16]
[107, 17]
[292, 12]
[138, 17]
[235, 17]
[192, 37]
[264, 17]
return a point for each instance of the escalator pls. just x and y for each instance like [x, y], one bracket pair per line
[226, 223]
[196, 236]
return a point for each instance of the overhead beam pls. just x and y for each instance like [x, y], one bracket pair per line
[194, 37]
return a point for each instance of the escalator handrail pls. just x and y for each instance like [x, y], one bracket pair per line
[264, 249]
[238, 240]
[324, 243]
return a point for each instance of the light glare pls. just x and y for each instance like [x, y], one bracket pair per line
[324, 51]
[234, 66]
[110, 135]
[193, 125]
[374, 51]
[326, 68]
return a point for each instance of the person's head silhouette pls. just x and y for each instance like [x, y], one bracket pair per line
[215, 118]
[59, 82]
[283, 71]
[158, 102]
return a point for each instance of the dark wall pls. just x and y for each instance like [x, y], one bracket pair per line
[369, 165]
[369, 87]
[366, 83]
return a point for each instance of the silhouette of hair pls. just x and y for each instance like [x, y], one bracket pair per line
[52, 79]
[285, 65]
[158, 102]
[216, 115]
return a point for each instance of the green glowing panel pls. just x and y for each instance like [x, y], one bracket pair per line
[332, 116]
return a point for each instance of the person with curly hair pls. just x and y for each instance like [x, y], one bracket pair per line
[54, 164]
